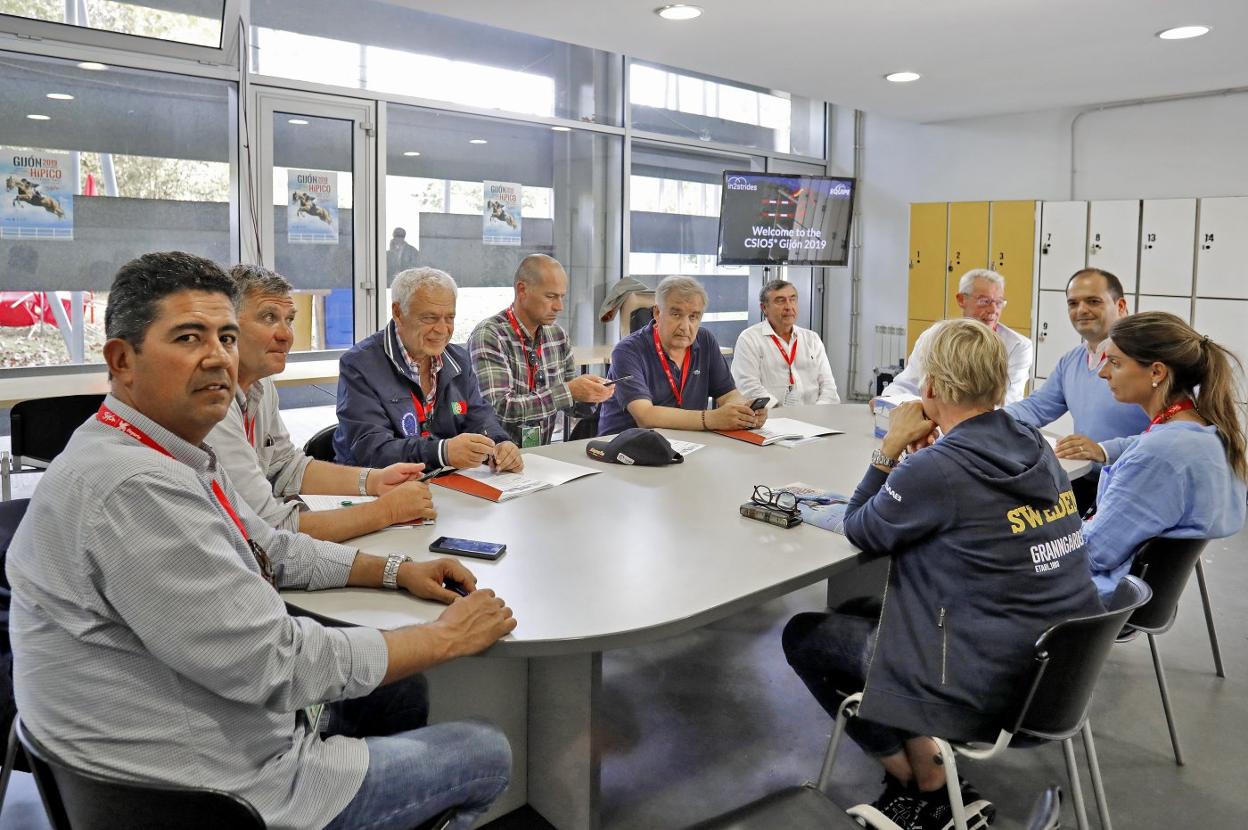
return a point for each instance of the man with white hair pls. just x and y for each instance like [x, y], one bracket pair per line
[407, 394]
[981, 296]
[668, 369]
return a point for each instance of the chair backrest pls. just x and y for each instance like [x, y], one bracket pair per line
[1068, 661]
[1165, 564]
[41, 427]
[321, 445]
[79, 800]
[11, 513]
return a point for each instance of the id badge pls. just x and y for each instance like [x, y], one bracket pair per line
[530, 437]
[791, 398]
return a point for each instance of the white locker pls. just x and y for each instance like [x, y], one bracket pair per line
[1181, 306]
[1222, 248]
[1167, 246]
[1063, 242]
[1224, 321]
[1054, 334]
[1113, 239]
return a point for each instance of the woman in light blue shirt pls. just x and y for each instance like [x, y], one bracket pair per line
[1184, 477]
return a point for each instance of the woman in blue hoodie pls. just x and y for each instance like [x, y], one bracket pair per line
[986, 553]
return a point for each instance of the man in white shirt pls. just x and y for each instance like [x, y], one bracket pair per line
[981, 296]
[779, 359]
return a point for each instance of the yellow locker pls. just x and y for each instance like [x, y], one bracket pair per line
[968, 247]
[929, 229]
[1013, 252]
[913, 330]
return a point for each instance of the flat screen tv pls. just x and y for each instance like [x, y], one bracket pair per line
[778, 219]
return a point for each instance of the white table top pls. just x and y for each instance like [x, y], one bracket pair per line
[632, 554]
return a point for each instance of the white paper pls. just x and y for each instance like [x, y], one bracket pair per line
[791, 429]
[321, 502]
[539, 473]
[684, 447]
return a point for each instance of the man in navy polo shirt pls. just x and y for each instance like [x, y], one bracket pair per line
[669, 369]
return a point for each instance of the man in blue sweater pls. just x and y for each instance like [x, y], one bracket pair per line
[1094, 300]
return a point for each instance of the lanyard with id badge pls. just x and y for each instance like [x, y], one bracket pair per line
[530, 435]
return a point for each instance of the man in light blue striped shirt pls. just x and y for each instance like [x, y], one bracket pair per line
[149, 641]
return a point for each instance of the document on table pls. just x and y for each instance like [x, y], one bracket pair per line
[540, 473]
[787, 432]
[321, 502]
[684, 447]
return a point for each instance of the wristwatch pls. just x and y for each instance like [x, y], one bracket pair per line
[881, 460]
[390, 576]
[363, 482]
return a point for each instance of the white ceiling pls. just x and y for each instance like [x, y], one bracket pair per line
[977, 57]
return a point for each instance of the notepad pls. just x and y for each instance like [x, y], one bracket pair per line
[322, 502]
[780, 431]
[540, 473]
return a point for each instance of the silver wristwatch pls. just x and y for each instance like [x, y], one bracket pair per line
[390, 576]
[363, 482]
[880, 459]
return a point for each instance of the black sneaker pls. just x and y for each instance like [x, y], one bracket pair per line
[979, 811]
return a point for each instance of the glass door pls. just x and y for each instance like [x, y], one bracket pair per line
[313, 220]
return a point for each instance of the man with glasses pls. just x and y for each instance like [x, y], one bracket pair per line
[981, 296]
[407, 394]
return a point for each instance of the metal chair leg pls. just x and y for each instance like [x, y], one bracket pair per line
[1213, 631]
[949, 760]
[1094, 769]
[843, 713]
[10, 759]
[1165, 700]
[1076, 788]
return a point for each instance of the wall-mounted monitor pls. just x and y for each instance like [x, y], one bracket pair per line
[776, 219]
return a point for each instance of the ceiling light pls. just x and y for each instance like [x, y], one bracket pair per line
[411, 153]
[477, 141]
[60, 96]
[1183, 32]
[562, 129]
[299, 121]
[92, 66]
[902, 77]
[678, 11]
[34, 116]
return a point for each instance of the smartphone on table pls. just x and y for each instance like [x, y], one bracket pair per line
[467, 547]
[759, 403]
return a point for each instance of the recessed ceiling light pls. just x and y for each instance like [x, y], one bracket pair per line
[477, 141]
[299, 121]
[1183, 32]
[562, 129]
[92, 66]
[60, 96]
[34, 116]
[902, 77]
[678, 11]
[411, 153]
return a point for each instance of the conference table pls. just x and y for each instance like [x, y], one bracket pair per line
[624, 557]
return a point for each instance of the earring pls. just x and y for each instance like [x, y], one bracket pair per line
[1154, 384]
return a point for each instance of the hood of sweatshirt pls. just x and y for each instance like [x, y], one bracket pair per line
[1006, 455]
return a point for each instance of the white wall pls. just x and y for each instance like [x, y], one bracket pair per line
[1178, 148]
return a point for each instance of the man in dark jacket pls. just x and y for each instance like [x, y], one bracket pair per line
[986, 553]
[407, 394]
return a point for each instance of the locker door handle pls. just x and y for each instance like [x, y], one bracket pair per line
[1148, 247]
[1044, 249]
[1096, 246]
[1044, 333]
[1206, 247]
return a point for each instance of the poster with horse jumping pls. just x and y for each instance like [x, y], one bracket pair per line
[39, 195]
[312, 207]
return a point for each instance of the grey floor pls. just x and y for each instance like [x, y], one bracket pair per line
[701, 723]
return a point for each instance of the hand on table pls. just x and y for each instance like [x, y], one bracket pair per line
[476, 622]
[507, 458]
[408, 502]
[426, 579]
[732, 416]
[382, 481]
[1079, 448]
[468, 450]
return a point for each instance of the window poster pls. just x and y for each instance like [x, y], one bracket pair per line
[39, 195]
[312, 207]
[502, 213]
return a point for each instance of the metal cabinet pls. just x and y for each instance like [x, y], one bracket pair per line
[1222, 248]
[1180, 306]
[1054, 334]
[1167, 246]
[1113, 239]
[1063, 242]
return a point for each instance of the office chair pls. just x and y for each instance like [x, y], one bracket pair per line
[1165, 565]
[321, 445]
[40, 429]
[11, 513]
[1053, 707]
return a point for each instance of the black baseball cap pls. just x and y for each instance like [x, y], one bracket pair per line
[643, 447]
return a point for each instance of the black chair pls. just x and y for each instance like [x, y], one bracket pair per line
[321, 445]
[1053, 707]
[40, 429]
[1166, 565]
[11, 513]
[80, 800]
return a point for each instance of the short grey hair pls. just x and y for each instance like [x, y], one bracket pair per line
[680, 286]
[969, 278]
[252, 279]
[532, 266]
[408, 282]
[774, 285]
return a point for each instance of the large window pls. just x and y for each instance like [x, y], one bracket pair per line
[99, 167]
[194, 22]
[681, 103]
[388, 48]
[474, 196]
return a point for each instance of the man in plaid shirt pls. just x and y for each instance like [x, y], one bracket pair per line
[523, 360]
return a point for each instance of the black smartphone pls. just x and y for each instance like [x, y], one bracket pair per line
[467, 547]
[759, 403]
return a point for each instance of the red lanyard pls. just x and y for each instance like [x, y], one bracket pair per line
[110, 418]
[788, 358]
[424, 414]
[533, 361]
[684, 368]
[249, 427]
[1170, 411]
